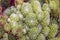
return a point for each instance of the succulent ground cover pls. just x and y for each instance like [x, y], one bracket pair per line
[31, 20]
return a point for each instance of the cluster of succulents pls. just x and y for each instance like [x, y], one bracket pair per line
[30, 20]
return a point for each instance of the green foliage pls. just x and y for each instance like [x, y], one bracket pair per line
[33, 33]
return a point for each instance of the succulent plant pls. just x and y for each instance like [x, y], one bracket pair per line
[14, 17]
[23, 38]
[7, 27]
[13, 9]
[33, 33]
[15, 27]
[45, 31]
[53, 30]
[10, 10]
[26, 8]
[31, 19]
[40, 16]
[2, 20]
[36, 6]
[39, 26]
[7, 11]
[5, 36]
[20, 15]
[53, 5]
[41, 37]
[1, 32]
[19, 34]
[18, 7]
[46, 20]
[46, 7]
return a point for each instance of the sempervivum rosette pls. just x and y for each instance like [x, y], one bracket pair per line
[36, 6]
[7, 11]
[39, 26]
[45, 31]
[46, 20]
[53, 5]
[20, 15]
[14, 17]
[31, 20]
[13, 9]
[7, 27]
[21, 29]
[46, 11]
[18, 7]
[43, 17]
[3, 19]
[53, 30]
[40, 16]
[15, 27]
[41, 37]
[46, 7]
[10, 10]
[26, 8]
[33, 33]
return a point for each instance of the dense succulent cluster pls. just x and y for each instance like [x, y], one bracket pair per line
[30, 21]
